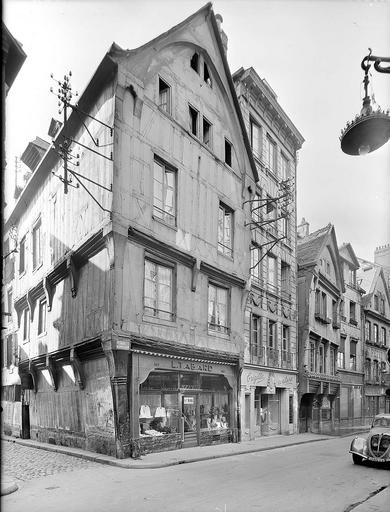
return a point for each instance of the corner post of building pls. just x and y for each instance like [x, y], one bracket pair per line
[116, 349]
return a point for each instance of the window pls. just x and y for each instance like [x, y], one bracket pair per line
[367, 328]
[256, 207]
[367, 369]
[255, 334]
[332, 360]
[327, 267]
[383, 336]
[312, 361]
[206, 132]
[341, 354]
[321, 358]
[334, 311]
[206, 75]
[352, 277]
[376, 338]
[225, 230]
[195, 62]
[8, 359]
[285, 271]
[255, 263]
[285, 338]
[194, 115]
[324, 305]
[271, 334]
[352, 355]
[284, 168]
[164, 193]
[164, 96]
[22, 255]
[218, 319]
[271, 211]
[318, 302]
[272, 273]
[158, 290]
[9, 305]
[342, 313]
[256, 139]
[26, 324]
[382, 305]
[42, 316]
[37, 244]
[352, 312]
[270, 155]
[228, 153]
[376, 302]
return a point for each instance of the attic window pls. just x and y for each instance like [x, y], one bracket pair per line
[206, 132]
[228, 152]
[164, 96]
[206, 75]
[194, 114]
[195, 62]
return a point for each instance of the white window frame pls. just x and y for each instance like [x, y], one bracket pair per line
[225, 230]
[166, 211]
[218, 319]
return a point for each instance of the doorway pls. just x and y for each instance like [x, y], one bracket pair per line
[190, 420]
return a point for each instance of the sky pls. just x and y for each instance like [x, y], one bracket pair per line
[309, 51]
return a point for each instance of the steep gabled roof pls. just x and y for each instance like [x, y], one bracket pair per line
[368, 276]
[310, 247]
[207, 12]
[348, 254]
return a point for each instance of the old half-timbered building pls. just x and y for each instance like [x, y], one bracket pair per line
[128, 290]
[320, 290]
[269, 378]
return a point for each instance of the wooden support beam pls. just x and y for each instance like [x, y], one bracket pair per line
[50, 367]
[48, 289]
[74, 275]
[77, 368]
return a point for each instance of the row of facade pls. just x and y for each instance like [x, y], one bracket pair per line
[165, 298]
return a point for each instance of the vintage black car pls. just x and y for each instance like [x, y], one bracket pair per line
[374, 447]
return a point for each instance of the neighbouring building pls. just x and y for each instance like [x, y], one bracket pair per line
[13, 57]
[376, 321]
[269, 381]
[129, 285]
[350, 358]
[320, 291]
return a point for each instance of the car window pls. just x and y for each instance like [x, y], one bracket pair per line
[381, 422]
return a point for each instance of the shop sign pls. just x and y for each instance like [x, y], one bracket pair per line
[186, 365]
[188, 400]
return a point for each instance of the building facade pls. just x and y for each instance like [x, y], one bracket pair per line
[376, 335]
[269, 378]
[128, 285]
[350, 358]
[320, 291]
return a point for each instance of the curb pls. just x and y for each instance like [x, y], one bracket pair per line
[8, 487]
[154, 465]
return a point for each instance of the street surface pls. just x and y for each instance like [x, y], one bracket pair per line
[316, 477]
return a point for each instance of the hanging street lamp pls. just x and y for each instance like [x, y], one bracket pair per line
[371, 128]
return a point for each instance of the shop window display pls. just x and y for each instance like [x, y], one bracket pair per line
[173, 402]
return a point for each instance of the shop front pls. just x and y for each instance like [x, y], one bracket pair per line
[182, 401]
[269, 403]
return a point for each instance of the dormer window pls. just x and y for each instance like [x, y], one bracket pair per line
[206, 75]
[195, 62]
[194, 117]
[164, 96]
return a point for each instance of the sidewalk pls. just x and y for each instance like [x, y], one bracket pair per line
[182, 456]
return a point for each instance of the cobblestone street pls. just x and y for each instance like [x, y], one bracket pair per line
[25, 463]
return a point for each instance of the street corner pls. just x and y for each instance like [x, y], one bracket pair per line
[8, 486]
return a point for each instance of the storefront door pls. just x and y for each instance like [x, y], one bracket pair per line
[190, 419]
[270, 414]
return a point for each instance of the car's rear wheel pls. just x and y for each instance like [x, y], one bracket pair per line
[357, 459]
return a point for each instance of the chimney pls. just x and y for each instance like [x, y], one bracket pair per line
[303, 228]
[219, 20]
